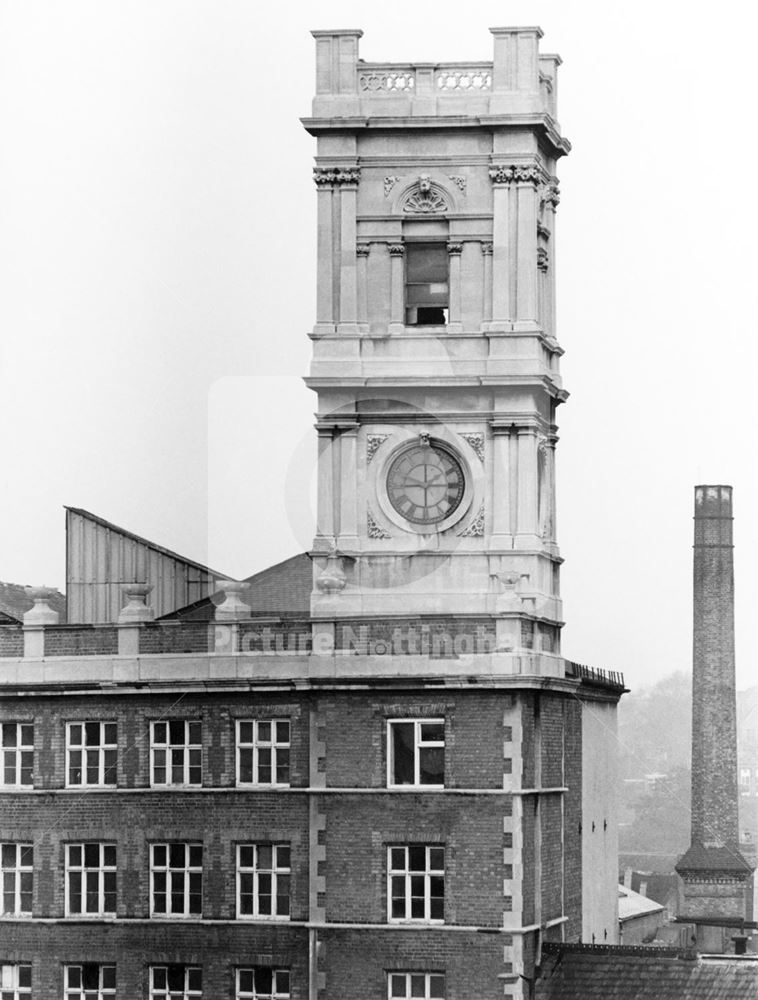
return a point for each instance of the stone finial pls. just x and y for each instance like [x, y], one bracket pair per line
[136, 609]
[41, 613]
[233, 608]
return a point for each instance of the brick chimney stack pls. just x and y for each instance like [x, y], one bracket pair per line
[716, 879]
[714, 713]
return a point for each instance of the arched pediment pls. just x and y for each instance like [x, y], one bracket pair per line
[422, 196]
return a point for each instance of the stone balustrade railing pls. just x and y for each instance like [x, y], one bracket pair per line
[392, 79]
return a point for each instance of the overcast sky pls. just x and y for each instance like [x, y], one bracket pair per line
[157, 281]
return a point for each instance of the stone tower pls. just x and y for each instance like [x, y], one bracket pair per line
[715, 876]
[435, 357]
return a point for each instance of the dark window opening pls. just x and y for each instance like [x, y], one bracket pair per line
[426, 284]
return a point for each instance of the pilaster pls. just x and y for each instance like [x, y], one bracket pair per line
[397, 290]
[454, 318]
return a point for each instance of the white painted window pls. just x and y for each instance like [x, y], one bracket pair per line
[89, 981]
[15, 982]
[91, 753]
[416, 986]
[416, 752]
[262, 983]
[17, 870]
[175, 982]
[176, 750]
[263, 881]
[90, 880]
[176, 880]
[263, 752]
[17, 740]
[416, 883]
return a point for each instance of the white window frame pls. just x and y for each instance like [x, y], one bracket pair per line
[79, 992]
[11, 875]
[277, 871]
[168, 870]
[18, 754]
[418, 745]
[158, 993]
[99, 750]
[274, 745]
[187, 747]
[404, 871]
[408, 983]
[102, 869]
[280, 978]
[10, 975]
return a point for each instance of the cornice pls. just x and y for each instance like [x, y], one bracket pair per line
[401, 123]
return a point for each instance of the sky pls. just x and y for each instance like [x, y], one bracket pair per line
[157, 283]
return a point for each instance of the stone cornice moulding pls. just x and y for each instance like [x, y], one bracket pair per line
[336, 176]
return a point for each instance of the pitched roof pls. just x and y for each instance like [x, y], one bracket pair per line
[282, 589]
[597, 972]
[633, 904]
[698, 858]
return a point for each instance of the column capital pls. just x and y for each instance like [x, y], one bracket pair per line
[454, 249]
[396, 249]
[363, 249]
[487, 248]
[517, 173]
[336, 176]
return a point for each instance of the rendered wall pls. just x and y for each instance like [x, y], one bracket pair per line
[599, 824]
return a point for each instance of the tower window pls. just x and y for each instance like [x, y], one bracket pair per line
[426, 284]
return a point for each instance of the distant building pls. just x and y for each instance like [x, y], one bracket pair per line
[639, 917]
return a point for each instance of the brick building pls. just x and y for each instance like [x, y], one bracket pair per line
[402, 790]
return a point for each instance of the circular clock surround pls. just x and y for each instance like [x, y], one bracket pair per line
[426, 484]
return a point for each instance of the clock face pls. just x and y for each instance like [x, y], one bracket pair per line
[425, 484]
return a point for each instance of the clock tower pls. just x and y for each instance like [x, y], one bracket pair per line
[435, 356]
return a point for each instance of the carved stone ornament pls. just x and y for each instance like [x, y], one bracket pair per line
[476, 528]
[425, 198]
[460, 182]
[375, 530]
[553, 195]
[542, 259]
[543, 231]
[363, 249]
[329, 176]
[332, 579]
[501, 173]
[373, 443]
[477, 443]
[486, 248]
[396, 249]
[527, 175]
[389, 182]
[454, 249]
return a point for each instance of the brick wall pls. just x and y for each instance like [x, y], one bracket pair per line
[132, 949]
[11, 641]
[358, 962]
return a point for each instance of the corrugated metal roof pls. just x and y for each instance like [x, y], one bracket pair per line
[101, 557]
